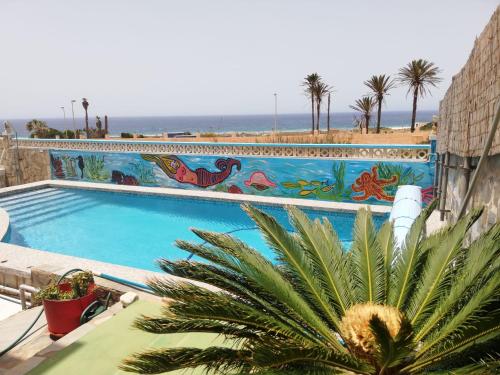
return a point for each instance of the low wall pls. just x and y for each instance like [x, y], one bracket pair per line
[23, 166]
[342, 180]
[486, 193]
[358, 151]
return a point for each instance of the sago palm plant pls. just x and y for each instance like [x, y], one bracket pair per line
[428, 307]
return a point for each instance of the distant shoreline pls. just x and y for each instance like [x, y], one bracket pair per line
[156, 125]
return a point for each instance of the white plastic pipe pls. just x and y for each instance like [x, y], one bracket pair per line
[405, 209]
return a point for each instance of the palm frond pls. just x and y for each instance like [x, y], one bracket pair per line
[392, 352]
[213, 359]
[471, 313]
[266, 275]
[403, 273]
[320, 241]
[482, 332]
[368, 262]
[419, 75]
[291, 254]
[436, 271]
[478, 259]
[190, 301]
[386, 240]
[288, 356]
[236, 284]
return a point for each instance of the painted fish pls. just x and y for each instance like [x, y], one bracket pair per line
[258, 180]
[234, 190]
[176, 169]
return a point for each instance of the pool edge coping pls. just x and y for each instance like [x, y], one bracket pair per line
[205, 195]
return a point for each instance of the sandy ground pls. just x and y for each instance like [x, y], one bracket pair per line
[387, 136]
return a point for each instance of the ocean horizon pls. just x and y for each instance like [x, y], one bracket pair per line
[152, 125]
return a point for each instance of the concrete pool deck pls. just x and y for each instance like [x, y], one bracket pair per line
[101, 350]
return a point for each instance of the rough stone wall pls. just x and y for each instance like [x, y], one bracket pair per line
[34, 164]
[468, 108]
[486, 193]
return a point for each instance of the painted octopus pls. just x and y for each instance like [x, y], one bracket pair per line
[176, 169]
[372, 186]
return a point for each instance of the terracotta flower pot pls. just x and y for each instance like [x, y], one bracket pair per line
[64, 316]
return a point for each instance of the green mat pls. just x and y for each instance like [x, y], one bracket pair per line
[102, 350]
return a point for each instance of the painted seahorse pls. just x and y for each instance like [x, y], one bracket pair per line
[176, 169]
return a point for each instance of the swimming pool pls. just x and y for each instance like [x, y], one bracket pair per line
[133, 229]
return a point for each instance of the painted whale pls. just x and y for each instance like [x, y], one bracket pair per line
[176, 169]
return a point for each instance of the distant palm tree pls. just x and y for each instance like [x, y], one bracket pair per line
[328, 113]
[419, 76]
[380, 86]
[37, 128]
[310, 83]
[85, 105]
[365, 106]
[320, 91]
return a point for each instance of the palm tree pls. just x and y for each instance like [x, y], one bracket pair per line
[310, 83]
[37, 128]
[85, 105]
[321, 90]
[419, 76]
[430, 306]
[365, 106]
[380, 86]
[328, 113]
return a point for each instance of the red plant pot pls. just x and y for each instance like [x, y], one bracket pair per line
[64, 316]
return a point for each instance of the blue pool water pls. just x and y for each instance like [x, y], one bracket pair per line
[133, 230]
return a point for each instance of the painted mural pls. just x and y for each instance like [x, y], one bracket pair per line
[348, 180]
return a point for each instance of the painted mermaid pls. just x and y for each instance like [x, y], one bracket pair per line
[176, 169]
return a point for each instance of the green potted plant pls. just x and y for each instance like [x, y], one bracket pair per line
[65, 302]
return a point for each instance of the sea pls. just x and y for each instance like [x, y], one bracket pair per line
[157, 125]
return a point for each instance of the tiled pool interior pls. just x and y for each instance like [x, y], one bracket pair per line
[132, 229]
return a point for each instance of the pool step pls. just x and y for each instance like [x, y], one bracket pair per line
[56, 213]
[19, 204]
[28, 213]
[27, 194]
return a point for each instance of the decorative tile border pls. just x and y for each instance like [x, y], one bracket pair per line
[332, 151]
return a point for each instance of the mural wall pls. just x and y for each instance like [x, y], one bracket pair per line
[373, 182]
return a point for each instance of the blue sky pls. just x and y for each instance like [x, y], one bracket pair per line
[196, 57]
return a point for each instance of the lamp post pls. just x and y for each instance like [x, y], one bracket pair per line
[64, 116]
[73, 113]
[275, 112]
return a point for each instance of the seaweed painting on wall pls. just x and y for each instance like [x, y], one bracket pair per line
[94, 168]
[143, 172]
[328, 189]
[406, 175]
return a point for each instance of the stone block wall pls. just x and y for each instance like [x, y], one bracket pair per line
[33, 165]
[486, 193]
